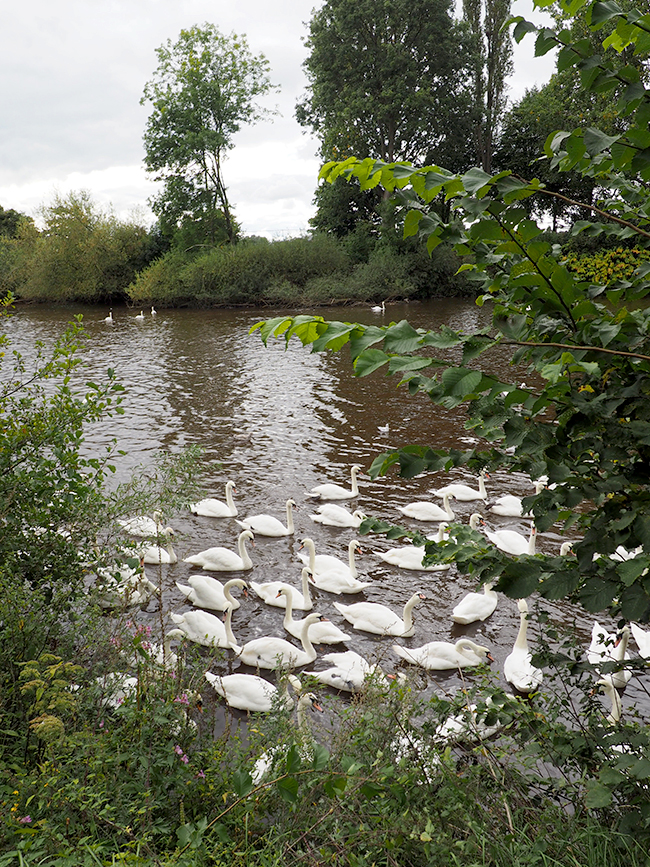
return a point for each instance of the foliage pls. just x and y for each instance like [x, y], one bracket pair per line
[387, 80]
[82, 253]
[206, 86]
[9, 222]
[602, 267]
[583, 419]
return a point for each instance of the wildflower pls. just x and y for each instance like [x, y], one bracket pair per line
[25, 820]
[184, 759]
[201, 775]
[178, 750]
[182, 699]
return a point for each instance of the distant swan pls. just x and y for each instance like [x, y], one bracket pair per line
[443, 655]
[321, 632]
[269, 590]
[517, 667]
[410, 557]
[221, 559]
[271, 652]
[380, 619]
[207, 629]
[211, 508]
[154, 312]
[337, 516]
[329, 491]
[143, 525]
[331, 574]
[140, 316]
[465, 493]
[512, 542]
[267, 525]
[379, 308]
[348, 671]
[109, 319]
[207, 592]
[251, 692]
[154, 555]
[425, 511]
[510, 506]
[476, 606]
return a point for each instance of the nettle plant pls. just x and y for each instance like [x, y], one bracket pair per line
[586, 422]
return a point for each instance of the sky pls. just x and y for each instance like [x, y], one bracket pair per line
[73, 73]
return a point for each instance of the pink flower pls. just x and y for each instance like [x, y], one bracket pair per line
[184, 759]
[178, 750]
[25, 820]
[201, 775]
[182, 699]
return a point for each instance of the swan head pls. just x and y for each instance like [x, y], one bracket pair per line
[566, 549]
[522, 605]
[309, 699]
[230, 486]
[246, 534]
[475, 520]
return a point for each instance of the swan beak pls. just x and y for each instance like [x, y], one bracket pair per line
[316, 706]
[489, 656]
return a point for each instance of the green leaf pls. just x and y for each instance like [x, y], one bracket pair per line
[369, 361]
[597, 795]
[242, 783]
[288, 789]
[460, 382]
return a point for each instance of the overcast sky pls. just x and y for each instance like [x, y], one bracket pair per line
[72, 75]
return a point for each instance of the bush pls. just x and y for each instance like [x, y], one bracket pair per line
[607, 266]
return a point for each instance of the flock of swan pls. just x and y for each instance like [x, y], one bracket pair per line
[209, 620]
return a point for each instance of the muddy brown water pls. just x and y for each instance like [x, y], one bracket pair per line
[277, 422]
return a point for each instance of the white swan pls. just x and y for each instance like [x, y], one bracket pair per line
[464, 493]
[143, 525]
[271, 652]
[251, 692]
[642, 638]
[321, 632]
[512, 542]
[109, 319]
[617, 705]
[268, 759]
[337, 516]
[207, 592]
[211, 508]
[207, 629]
[379, 308]
[509, 506]
[517, 667]
[422, 510]
[410, 557]
[154, 555]
[223, 559]
[329, 491]
[162, 656]
[476, 606]
[140, 316]
[613, 648]
[331, 574]
[131, 588]
[154, 312]
[267, 525]
[470, 725]
[348, 672]
[380, 619]
[443, 655]
[269, 590]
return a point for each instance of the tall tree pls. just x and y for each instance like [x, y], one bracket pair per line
[492, 64]
[387, 78]
[205, 88]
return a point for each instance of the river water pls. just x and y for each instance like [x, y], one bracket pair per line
[277, 422]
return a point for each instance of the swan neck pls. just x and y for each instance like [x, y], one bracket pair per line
[481, 486]
[351, 562]
[305, 640]
[289, 516]
[306, 592]
[407, 616]
[447, 507]
[243, 553]
[229, 500]
[288, 611]
[355, 485]
[532, 540]
[230, 635]
[522, 635]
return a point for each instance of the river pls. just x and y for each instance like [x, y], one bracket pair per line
[277, 422]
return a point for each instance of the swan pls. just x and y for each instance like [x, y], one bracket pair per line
[470, 725]
[465, 493]
[410, 557]
[331, 574]
[512, 542]
[443, 655]
[140, 316]
[207, 592]
[154, 555]
[380, 619]
[509, 506]
[642, 638]
[211, 508]
[223, 559]
[154, 312]
[267, 525]
[143, 525]
[109, 319]
[321, 632]
[162, 656]
[337, 516]
[207, 629]
[476, 606]
[424, 511]
[348, 672]
[269, 590]
[617, 705]
[517, 667]
[251, 692]
[337, 492]
[610, 648]
[268, 759]
[379, 308]
[130, 589]
[271, 652]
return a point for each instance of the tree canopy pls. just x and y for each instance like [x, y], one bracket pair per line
[205, 88]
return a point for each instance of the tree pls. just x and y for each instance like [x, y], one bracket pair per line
[388, 80]
[205, 88]
[492, 64]
[586, 424]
